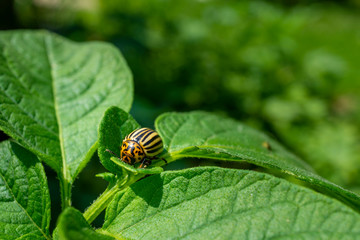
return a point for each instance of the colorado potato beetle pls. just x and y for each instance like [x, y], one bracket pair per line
[141, 145]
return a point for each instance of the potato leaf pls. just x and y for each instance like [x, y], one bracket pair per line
[205, 135]
[72, 225]
[24, 194]
[114, 126]
[53, 93]
[217, 203]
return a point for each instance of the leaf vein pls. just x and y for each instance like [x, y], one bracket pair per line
[24, 210]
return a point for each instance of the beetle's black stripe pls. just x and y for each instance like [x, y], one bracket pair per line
[135, 133]
[140, 136]
[148, 142]
[130, 135]
[157, 145]
[154, 144]
[153, 147]
[160, 145]
[144, 141]
[146, 136]
[154, 150]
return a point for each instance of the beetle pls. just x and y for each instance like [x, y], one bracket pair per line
[141, 145]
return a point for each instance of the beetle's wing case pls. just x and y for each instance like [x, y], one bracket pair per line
[148, 139]
[137, 134]
[152, 144]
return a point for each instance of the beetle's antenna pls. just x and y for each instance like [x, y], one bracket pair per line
[107, 150]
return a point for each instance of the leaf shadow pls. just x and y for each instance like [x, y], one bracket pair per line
[150, 190]
[26, 157]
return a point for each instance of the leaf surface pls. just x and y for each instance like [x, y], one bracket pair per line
[24, 194]
[205, 135]
[114, 127]
[53, 93]
[217, 203]
[72, 225]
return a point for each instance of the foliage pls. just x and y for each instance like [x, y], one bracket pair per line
[292, 71]
[24, 196]
[56, 105]
[215, 203]
[290, 68]
[54, 93]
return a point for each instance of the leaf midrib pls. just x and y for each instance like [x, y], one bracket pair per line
[64, 170]
[299, 163]
[234, 154]
[350, 197]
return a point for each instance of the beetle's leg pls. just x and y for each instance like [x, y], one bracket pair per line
[146, 162]
[107, 150]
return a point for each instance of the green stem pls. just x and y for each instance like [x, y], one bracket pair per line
[65, 189]
[105, 198]
[100, 204]
[94, 210]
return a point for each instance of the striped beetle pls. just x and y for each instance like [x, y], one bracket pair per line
[141, 145]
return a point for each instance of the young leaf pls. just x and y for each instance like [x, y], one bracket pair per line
[24, 194]
[53, 93]
[217, 203]
[134, 170]
[72, 225]
[205, 135]
[114, 126]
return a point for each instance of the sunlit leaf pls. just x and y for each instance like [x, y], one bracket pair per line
[216, 203]
[205, 135]
[53, 93]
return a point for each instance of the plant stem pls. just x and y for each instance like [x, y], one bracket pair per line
[92, 212]
[100, 204]
[65, 189]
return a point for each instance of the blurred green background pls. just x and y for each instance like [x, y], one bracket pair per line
[289, 68]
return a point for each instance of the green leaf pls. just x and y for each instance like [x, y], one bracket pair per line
[73, 226]
[217, 203]
[114, 126]
[24, 194]
[53, 93]
[205, 135]
[130, 168]
[111, 178]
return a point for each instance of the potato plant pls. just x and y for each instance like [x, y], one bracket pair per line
[62, 102]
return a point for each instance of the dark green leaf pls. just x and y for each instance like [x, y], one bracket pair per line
[24, 194]
[205, 135]
[53, 93]
[216, 203]
[73, 226]
[114, 126]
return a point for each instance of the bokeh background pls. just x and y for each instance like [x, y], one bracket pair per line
[288, 68]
